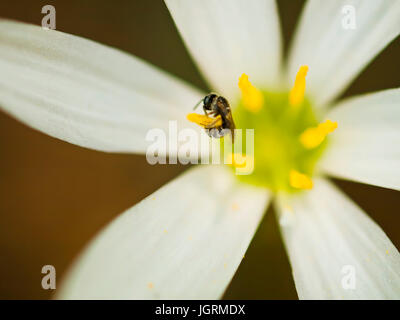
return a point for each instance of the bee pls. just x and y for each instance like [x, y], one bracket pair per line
[214, 105]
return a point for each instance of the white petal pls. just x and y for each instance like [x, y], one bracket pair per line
[183, 242]
[331, 243]
[83, 92]
[229, 37]
[336, 55]
[366, 145]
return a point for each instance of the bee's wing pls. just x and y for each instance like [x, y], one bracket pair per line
[229, 121]
[225, 111]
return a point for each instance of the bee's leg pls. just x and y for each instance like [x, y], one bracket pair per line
[212, 124]
[213, 114]
[210, 113]
[216, 132]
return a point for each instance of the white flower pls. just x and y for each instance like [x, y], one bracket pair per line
[188, 238]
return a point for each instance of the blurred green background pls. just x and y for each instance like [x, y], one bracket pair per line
[55, 196]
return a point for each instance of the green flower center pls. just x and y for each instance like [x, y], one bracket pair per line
[278, 149]
[288, 138]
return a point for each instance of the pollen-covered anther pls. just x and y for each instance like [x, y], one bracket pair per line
[296, 95]
[205, 121]
[313, 137]
[252, 97]
[300, 180]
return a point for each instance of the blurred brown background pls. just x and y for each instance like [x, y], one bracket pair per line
[55, 196]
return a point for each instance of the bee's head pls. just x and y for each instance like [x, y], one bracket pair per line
[208, 99]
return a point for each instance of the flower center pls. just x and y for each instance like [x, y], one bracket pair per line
[288, 138]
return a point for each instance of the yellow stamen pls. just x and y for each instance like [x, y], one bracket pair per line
[300, 180]
[252, 98]
[313, 137]
[238, 160]
[203, 120]
[328, 126]
[296, 95]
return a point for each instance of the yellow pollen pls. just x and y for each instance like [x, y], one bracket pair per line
[313, 137]
[204, 121]
[150, 285]
[252, 98]
[300, 180]
[238, 160]
[296, 95]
